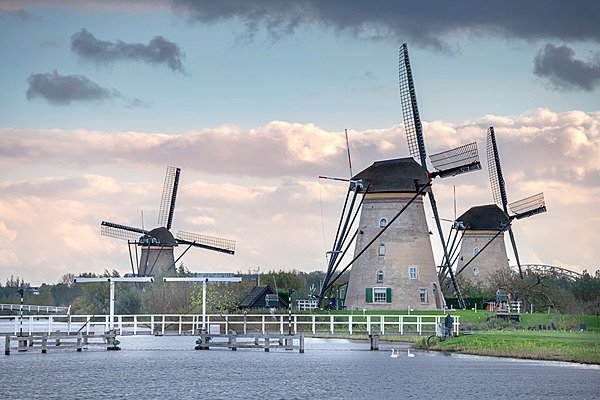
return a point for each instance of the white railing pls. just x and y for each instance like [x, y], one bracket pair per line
[187, 324]
[304, 305]
[30, 308]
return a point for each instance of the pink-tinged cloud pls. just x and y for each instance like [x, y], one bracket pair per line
[260, 188]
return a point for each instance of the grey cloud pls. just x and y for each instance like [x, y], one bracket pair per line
[158, 51]
[65, 89]
[423, 23]
[21, 14]
[559, 65]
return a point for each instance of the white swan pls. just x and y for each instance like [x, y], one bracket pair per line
[394, 354]
[410, 354]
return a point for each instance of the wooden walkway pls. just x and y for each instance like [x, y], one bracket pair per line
[255, 341]
[43, 342]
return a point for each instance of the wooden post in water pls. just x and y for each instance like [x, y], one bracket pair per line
[301, 350]
[7, 345]
[44, 344]
[374, 341]
[232, 342]
[266, 344]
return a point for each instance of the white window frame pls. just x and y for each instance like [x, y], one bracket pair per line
[421, 292]
[380, 273]
[381, 251]
[379, 295]
[383, 222]
[476, 251]
[416, 272]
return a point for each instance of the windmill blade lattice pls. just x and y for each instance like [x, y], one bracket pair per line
[169, 194]
[207, 242]
[456, 161]
[495, 171]
[410, 109]
[528, 206]
[123, 232]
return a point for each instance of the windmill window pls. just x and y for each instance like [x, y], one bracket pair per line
[379, 295]
[476, 251]
[382, 249]
[412, 272]
[423, 295]
[380, 276]
[382, 223]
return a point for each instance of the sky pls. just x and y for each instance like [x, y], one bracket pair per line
[250, 98]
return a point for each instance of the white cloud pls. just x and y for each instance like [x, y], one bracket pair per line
[260, 187]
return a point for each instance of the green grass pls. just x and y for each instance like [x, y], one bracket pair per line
[582, 347]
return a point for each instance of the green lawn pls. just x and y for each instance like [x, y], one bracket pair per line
[583, 347]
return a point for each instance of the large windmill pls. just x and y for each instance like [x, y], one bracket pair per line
[157, 244]
[393, 265]
[482, 247]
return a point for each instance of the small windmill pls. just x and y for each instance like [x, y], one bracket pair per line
[157, 244]
[520, 209]
[449, 163]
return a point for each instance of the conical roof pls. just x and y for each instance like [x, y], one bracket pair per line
[390, 176]
[489, 217]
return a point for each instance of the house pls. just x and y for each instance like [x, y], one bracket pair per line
[261, 297]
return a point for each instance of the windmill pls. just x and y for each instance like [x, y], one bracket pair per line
[399, 271]
[482, 227]
[157, 244]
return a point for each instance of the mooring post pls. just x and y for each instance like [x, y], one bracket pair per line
[7, 345]
[374, 341]
[266, 344]
[232, 342]
[79, 347]
[44, 344]
[301, 350]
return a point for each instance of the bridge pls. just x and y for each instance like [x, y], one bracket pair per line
[543, 270]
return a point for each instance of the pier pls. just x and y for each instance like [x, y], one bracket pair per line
[43, 342]
[256, 341]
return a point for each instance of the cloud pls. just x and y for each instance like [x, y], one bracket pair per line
[158, 51]
[65, 89]
[422, 23]
[260, 187]
[18, 14]
[559, 65]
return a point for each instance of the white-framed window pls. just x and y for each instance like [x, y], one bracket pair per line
[412, 272]
[423, 293]
[475, 251]
[382, 223]
[382, 249]
[380, 276]
[379, 295]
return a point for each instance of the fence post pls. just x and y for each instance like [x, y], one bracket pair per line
[331, 328]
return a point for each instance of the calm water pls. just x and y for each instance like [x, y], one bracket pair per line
[168, 367]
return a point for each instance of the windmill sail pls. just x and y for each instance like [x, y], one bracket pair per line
[206, 242]
[455, 159]
[123, 232]
[528, 206]
[169, 194]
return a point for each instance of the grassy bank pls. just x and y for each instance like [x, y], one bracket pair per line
[582, 347]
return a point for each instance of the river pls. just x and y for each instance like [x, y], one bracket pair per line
[169, 368]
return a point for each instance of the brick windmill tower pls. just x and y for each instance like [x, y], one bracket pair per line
[157, 245]
[393, 265]
[482, 247]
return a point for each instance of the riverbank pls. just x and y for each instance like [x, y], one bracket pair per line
[580, 347]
